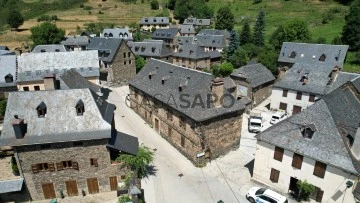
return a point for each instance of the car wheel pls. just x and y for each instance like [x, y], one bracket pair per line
[251, 200]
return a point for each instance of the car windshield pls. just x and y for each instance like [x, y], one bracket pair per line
[260, 191]
[255, 124]
[275, 117]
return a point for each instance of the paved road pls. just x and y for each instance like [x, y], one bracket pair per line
[196, 185]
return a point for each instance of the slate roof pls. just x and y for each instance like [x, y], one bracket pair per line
[151, 48]
[217, 41]
[14, 185]
[310, 53]
[6, 52]
[4, 48]
[197, 22]
[49, 48]
[124, 142]
[107, 47]
[169, 33]
[193, 83]
[75, 41]
[327, 144]
[33, 66]
[215, 32]
[229, 83]
[182, 40]
[341, 79]
[154, 21]
[73, 80]
[61, 123]
[214, 54]
[122, 33]
[255, 74]
[7, 66]
[187, 29]
[192, 51]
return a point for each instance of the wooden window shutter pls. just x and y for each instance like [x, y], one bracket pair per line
[297, 161]
[51, 166]
[278, 153]
[319, 195]
[75, 165]
[95, 162]
[319, 169]
[59, 166]
[274, 175]
[34, 168]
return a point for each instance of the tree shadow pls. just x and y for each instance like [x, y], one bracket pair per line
[151, 170]
[250, 167]
[21, 29]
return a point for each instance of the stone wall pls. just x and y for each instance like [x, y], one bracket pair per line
[58, 152]
[192, 63]
[122, 68]
[261, 93]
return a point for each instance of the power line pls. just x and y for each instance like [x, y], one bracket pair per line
[226, 181]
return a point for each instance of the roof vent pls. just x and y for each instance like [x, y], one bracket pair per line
[41, 110]
[313, 56]
[164, 79]
[151, 74]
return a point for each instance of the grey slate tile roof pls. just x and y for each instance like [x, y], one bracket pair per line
[217, 41]
[255, 74]
[33, 66]
[310, 53]
[341, 79]
[154, 21]
[13, 185]
[49, 48]
[4, 48]
[197, 83]
[215, 32]
[75, 41]
[73, 80]
[214, 54]
[124, 142]
[151, 48]
[168, 33]
[197, 22]
[192, 51]
[122, 33]
[107, 47]
[7, 66]
[229, 83]
[5, 52]
[182, 40]
[61, 123]
[187, 29]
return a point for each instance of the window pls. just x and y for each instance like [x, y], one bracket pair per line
[182, 141]
[278, 153]
[124, 62]
[322, 58]
[66, 164]
[78, 144]
[93, 162]
[297, 161]
[311, 98]
[26, 88]
[182, 123]
[319, 169]
[41, 110]
[130, 62]
[308, 131]
[169, 115]
[80, 109]
[293, 54]
[274, 175]
[285, 93]
[37, 88]
[350, 139]
[42, 167]
[283, 106]
[124, 55]
[298, 95]
[45, 146]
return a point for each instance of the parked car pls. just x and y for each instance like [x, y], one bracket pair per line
[277, 117]
[263, 195]
[255, 122]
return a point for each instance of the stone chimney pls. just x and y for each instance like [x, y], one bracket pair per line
[217, 90]
[50, 81]
[355, 149]
[19, 127]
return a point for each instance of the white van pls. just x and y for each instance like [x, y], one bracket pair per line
[277, 117]
[263, 195]
[255, 122]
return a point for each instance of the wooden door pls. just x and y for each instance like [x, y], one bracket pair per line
[71, 188]
[296, 110]
[48, 190]
[93, 185]
[156, 125]
[113, 183]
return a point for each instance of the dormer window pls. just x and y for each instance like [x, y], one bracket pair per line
[57, 50]
[142, 49]
[41, 110]
[9, 78]
[293, 55]
[43, 50]
[322, 57]
[106, 35]
[153, 49]
[110, 35]
[136, 48]
[80, 109]
[309, 131]
[350, 139]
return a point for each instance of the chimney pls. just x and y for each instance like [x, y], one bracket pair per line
[217, 89]
[50, 81]
[19, 127]
[355, 149]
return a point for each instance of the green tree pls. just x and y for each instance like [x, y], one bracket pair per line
[223, 70]
[224, 19]
[197, 8]
[181, 11]
[268, 57]
[305, 189]
[259, 29]
[15, 19]
[351, 29]
[46, 33]
[321, 40]
[171, 4]
[3, 103]
[140, 162]
[233, 45]
[245, 36]
[293, 31]
[337, 40]
[252, 50]
[240, 58]
[154, 5]
[140, 63]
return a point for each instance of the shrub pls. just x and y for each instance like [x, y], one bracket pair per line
[88, 8]
[154, 4]
[100, 12]
[14, 166]
[124, 199]
[305, 189]
[81, 5]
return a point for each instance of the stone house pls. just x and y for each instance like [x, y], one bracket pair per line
[211, 42]
[187, 30]
[35, 69]
[116, 58]
[253, 81]
[332, 56]
[225, 33]
[8, 74]
[49, 48]
[152, 49]
[167, 35]
[192, 56]
[178, 103]
[320, 145]
[303, 84]
[75, 43]
[64, 142]
[197, 22]
[148, 23]
[122, 33]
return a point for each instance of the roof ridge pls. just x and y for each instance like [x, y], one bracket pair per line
[197, 71]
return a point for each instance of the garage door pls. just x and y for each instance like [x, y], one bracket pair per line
[48, 190]
[93, 185]
[71, 188]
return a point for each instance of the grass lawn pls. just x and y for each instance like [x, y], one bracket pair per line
[350, 65]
